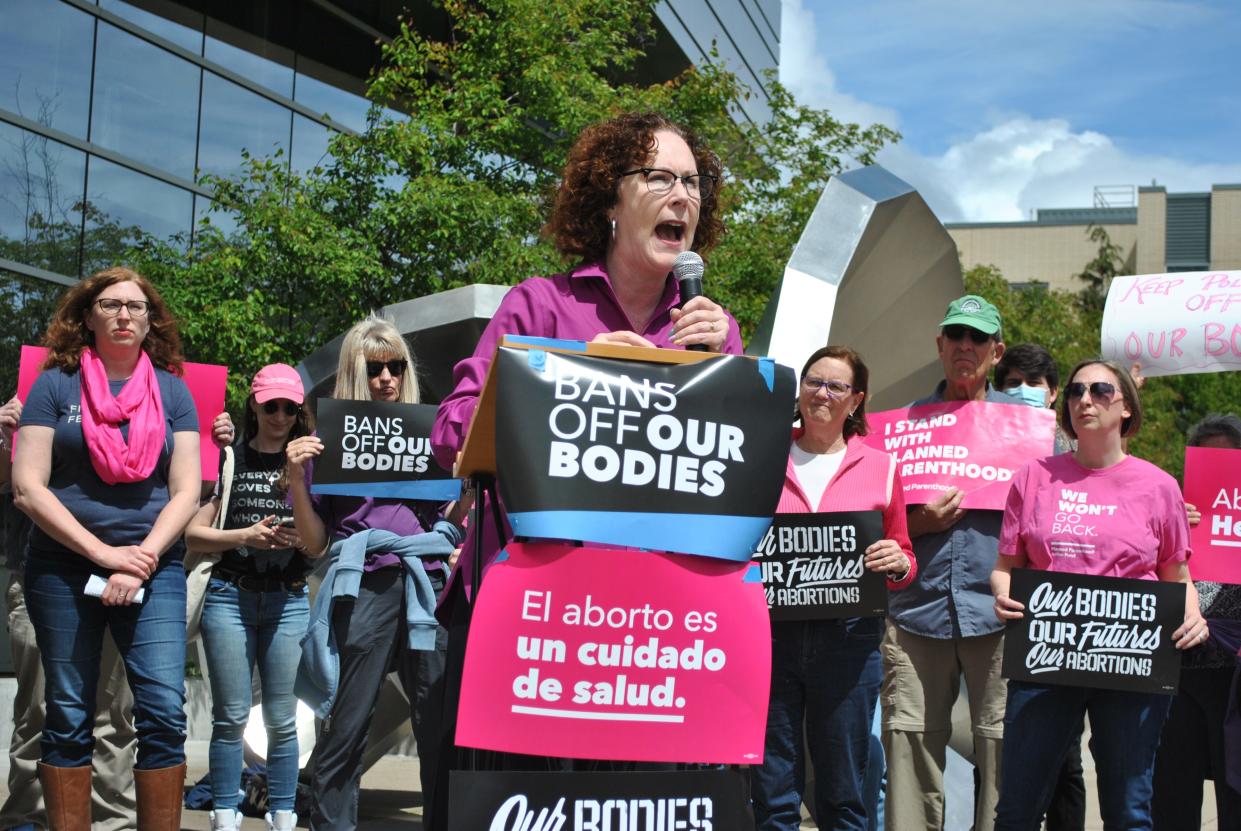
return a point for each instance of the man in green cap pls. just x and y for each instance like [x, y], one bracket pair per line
[942, 626]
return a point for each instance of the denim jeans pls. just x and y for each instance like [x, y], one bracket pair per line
[150, 636]
[825, 677]
[1042, 720]
[241, 630]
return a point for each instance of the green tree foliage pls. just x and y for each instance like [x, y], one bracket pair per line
[456, 192]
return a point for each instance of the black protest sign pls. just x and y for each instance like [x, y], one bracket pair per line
[1111, 633]
[670, 457]
[379, 448]
[700, 800]
[812, 566]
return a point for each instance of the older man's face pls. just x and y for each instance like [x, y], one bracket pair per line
[966, 360]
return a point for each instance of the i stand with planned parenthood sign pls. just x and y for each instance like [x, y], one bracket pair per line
[1110, 633]
[812, 566]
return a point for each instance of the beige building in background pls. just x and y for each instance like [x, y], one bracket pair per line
[1164, 232]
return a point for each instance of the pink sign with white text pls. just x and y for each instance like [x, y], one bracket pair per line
[1213, 486]
[619, 654]
[975, 446]
[206, 383]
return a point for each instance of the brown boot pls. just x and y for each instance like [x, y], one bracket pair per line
[66, 793]
[160, 795]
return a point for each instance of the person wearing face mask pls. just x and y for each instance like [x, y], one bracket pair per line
[375, 608]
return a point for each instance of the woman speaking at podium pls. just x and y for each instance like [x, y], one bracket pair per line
[637, 190]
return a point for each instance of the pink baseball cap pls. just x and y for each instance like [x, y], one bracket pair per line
[277, 381]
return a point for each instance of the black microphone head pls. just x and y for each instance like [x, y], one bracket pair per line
[687, 266]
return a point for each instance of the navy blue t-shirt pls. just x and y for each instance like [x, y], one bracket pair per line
[120, 514]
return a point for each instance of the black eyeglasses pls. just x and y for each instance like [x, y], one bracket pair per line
[957, 331]
[660, 181]
[1099, 391]
[112, 307]
[396, 367]
[834, 388]
[290, 409]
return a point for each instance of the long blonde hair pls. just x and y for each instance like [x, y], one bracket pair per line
[372, 338]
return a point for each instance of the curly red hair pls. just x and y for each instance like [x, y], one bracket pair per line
[67, 334]
[579, 222]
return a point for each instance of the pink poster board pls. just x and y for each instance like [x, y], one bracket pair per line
[976, 446]
[617, 654]
[1213, 486]
[206, 383]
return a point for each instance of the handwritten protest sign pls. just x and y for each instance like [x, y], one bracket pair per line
[379, 448]
[671, 457]
[205, 381]
[617, 654]
[812, 566]
[1213, 486]
[1110, 633]
[976, 446]
[1175, 324]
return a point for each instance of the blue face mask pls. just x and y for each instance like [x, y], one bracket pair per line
[1026, 394]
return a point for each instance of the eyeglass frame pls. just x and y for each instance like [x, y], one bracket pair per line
[964, 331]
[696, 194]
[376, 368]
[1078, 389]
[813, 385]
[126, 304]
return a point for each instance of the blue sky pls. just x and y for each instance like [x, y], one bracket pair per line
[1007, 106]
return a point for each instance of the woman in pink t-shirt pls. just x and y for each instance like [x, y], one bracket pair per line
[1131, 523]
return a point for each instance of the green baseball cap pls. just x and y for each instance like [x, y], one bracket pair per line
[972, 310]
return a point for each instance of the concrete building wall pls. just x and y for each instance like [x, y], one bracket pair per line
[1226, 227]
[1028, 251]
[1152, 231]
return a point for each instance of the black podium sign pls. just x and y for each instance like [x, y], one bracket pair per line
[1105, 632]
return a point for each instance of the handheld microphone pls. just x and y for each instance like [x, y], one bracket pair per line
[688, 268]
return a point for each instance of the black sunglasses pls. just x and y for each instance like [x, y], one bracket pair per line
[396, 367]
[1099, 391]
[290, 409]
[956, 331]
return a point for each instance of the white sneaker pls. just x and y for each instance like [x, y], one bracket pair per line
[225, 819]
[282, 821]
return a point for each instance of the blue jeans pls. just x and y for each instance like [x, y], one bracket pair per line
[150, 636]
[1039, 724]
[242, 629]
[825, 678]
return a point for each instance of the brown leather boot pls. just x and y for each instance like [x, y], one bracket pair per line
[66, 793]
[160, 795]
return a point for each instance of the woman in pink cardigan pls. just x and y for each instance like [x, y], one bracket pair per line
[825, 674]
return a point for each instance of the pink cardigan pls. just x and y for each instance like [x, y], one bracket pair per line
[867, 481]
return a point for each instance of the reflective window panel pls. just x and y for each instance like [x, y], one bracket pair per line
[40, 201]
[45, 54]
[171, 21]
[122, 202]
[26, 306]
[344, 107]
[251, 57]
[310, 144]
[225, 221]
[233, 119]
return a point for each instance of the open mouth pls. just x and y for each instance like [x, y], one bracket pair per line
[670, 231]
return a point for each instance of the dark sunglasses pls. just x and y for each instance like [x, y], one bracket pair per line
[957, 331]
[396, 367]
[290, 409]
[1099, 391]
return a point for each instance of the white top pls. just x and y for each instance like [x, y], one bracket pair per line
[814, 471]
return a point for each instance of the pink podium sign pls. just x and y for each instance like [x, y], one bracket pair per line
[1213, 486]
[206, 383]
[593, 653]
[976, 446]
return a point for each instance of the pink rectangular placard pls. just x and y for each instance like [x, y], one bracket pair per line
[206, 383]
[1213, 486]
[976, 446]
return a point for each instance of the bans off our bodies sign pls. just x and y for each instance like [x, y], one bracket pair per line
[379, 448]
[1105, 632]
[812, 566]
[669, 457]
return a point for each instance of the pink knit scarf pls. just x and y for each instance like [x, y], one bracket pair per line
[102, 414]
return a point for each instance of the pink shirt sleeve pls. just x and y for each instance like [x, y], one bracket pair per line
[896, 527]
[1174, 540]
[1011, 544]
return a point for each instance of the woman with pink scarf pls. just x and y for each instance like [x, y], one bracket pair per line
[107, 467]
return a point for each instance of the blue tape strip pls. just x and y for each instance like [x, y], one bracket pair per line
[434, 489]
[767, 369]
[548, 343]
[723, 537]
[502, 556]
[753, 574]
[537, 359]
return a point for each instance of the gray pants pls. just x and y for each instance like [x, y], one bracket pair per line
[371, 637]
[112, 797]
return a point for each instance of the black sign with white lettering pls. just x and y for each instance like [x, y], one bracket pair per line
[1106, 632]
[813, 570]
[379, 448]
[704, 800]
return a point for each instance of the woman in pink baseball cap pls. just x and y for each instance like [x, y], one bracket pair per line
[256, 608]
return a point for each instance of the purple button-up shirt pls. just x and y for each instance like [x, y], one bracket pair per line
[574, 306]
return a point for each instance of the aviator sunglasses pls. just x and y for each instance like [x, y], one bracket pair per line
[1099, 391]
[272, 407]
[396, 367]
[956, 331]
